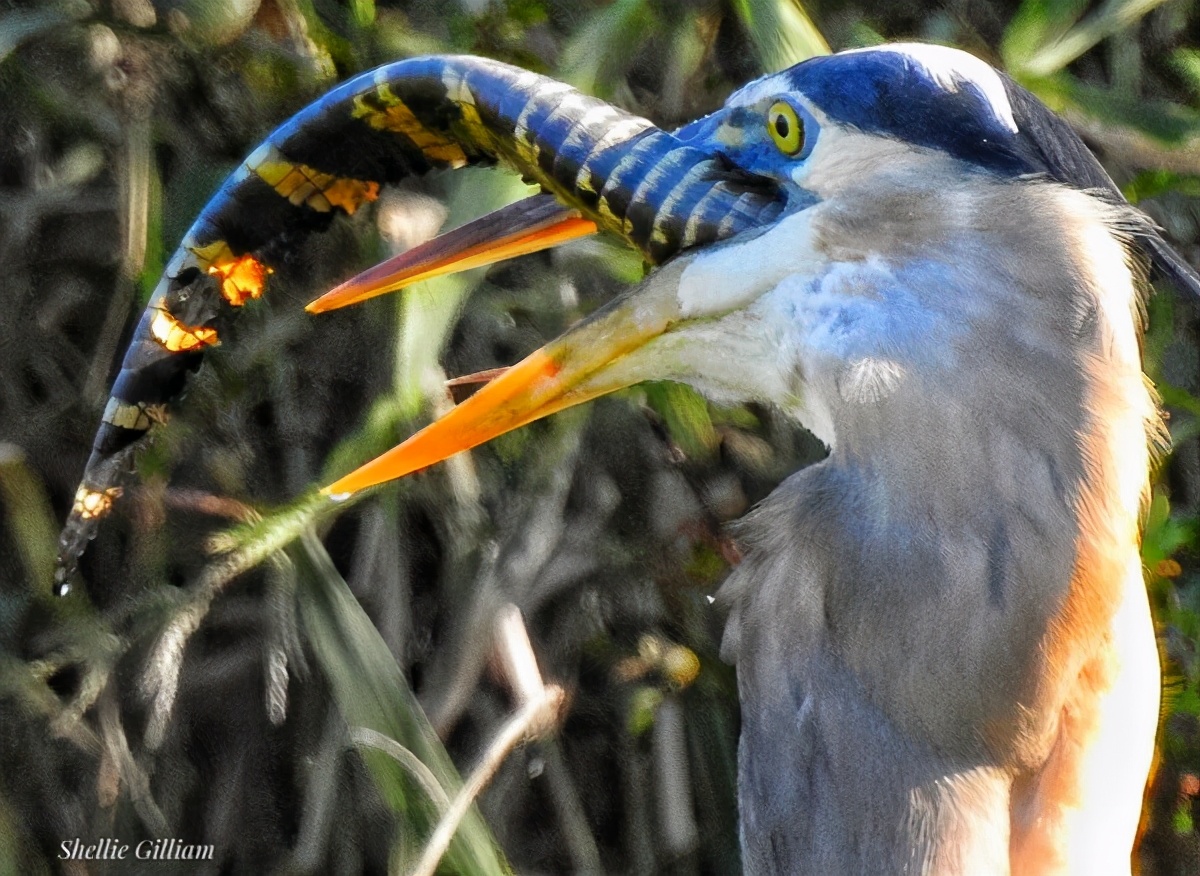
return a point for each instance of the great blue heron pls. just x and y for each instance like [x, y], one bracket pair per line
[945, 657]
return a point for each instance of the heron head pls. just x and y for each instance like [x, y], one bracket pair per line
[882, 265]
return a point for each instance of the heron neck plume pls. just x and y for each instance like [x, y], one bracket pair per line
[909, 616]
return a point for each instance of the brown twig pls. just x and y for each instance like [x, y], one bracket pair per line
[476, 377]
[540, 707]
[201, 502]
[530, 721]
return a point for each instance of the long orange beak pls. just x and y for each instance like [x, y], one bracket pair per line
[525, 227]
[597, 356]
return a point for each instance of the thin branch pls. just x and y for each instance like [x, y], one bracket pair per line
[533, 720]
[203, 502]
[118, 762]
[516, 655]
[476, 377]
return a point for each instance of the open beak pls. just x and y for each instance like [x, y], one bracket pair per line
[661, 195]
[528, 226]
[594, 357]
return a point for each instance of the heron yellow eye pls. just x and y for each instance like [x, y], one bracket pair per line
[785, 127]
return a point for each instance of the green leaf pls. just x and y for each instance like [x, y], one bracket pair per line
[600, 50]
[781, 31]
[1159, 334]
[1153, 183]
[1176, 397]
[1181, 820]
[705, 565]
[863, 35]
[685, 414]
[1187, 701]
[642, 707]
[1035, 46]
[1037, 23]
[362, 12]
[154, 259]
[371, 692]
[29, 515]
[1186, 62]
[1164, 534]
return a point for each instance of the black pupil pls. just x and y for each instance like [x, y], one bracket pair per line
[781, 125]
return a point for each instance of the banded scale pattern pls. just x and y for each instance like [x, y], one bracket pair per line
[626, 175]
[331, 158]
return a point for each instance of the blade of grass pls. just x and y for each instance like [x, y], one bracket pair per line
[781, 31]
[1036, 24]
[1052, 56]
[371, 692]
[685, 414]
[30, 517]
[607, 43]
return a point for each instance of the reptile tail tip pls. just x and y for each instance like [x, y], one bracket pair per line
[78, 531]
[89, 508]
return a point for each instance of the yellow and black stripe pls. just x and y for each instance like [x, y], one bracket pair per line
[398, 121]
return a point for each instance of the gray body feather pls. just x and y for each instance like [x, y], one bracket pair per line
[906, 668]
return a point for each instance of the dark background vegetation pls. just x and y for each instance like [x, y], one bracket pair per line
[182, 693]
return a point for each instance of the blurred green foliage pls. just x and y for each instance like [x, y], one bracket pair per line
[212, 683]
